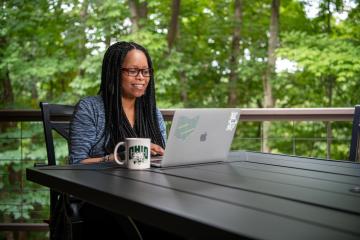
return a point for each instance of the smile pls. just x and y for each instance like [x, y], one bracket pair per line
[138, 86]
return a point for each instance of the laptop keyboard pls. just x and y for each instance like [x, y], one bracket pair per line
[157, 158]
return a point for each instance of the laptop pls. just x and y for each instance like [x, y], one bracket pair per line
[199, 136]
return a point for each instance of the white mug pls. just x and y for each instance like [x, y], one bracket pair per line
[137, 153]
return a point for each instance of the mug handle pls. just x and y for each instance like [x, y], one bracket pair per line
[118, 160]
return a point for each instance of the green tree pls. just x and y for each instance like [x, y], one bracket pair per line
[52, 51]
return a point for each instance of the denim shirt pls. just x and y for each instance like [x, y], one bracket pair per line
[87, 129]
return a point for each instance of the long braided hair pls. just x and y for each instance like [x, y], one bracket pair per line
[117, 126]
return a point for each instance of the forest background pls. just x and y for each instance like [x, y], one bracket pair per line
[248, 54]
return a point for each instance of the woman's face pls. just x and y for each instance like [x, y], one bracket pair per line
[134, 83]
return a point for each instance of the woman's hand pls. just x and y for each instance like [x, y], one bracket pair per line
[156, 149]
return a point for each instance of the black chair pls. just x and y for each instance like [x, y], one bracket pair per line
[57, 117]
[354, 147]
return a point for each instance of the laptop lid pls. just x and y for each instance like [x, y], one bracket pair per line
[200, 136]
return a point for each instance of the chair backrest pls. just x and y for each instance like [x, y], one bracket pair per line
[354, 147]
[55, 117]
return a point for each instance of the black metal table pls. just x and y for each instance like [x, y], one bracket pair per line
[252, 195]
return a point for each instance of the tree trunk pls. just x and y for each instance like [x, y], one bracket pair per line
[234, 55]
[138, 12]
[328, 19]
[83, 39]
[173, 33]
[174, 24]
[107, 37]
[142, 11]
[183, 87]
[83, 18]
[6, 97]
[134, 16]
[270, 69]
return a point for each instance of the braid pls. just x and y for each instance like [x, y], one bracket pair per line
[117, 126]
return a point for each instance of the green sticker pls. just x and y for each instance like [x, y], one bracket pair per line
[185, 127]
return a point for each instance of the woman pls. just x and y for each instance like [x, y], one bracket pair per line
[125, 107]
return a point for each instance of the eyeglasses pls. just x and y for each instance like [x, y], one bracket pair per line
[134, 72]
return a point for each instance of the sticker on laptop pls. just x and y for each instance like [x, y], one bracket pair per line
[185, 126]
[232, 121]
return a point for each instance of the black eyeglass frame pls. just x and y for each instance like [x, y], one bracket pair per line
[138, 70]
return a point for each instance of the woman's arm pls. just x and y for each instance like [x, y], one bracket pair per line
[83, 132]
[162, 125]
[107, 158]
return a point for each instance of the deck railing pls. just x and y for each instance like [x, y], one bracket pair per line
[247, 115]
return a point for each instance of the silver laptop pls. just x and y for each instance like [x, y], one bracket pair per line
[199, 136]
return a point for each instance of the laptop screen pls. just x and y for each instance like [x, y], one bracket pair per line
[200, 136]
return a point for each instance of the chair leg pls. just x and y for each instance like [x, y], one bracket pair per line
[129, 227]
[77, 230]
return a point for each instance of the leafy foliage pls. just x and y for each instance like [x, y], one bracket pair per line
[52, 51]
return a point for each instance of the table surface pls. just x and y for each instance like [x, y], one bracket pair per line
[252, 195]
